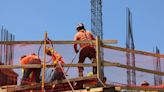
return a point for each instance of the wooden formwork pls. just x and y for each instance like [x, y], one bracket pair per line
[97, 42]
[99, 64]
[7, 77]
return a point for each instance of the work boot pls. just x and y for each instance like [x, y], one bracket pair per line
[80, 73]
[94, 67]
[80, 69]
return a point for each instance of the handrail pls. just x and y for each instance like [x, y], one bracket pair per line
[56, 42]
[133, 51]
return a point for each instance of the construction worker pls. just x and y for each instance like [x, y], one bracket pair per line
[87, 50]
[57, 59]
[144, 83]
[30, 74]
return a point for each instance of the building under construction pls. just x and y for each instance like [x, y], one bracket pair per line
[113, 64]
[118, 69]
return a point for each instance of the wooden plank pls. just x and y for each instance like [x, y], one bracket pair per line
[106, 63]
[134, 68]
[109, 41]
[98, 58]
[44, 61]
[100, 68]
[56, 42]
[133, 51]
[71, 80]
[48, 66]
[141, 88]
[38, 85]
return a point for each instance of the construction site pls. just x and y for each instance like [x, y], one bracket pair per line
[119, 69]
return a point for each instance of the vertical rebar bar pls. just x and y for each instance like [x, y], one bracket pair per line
[133, 54]
[127, 46]
[6, 55]
[158, 68]
[13, 39]
[1, 45]
[131, 74]
[96, 22]
[10, 49]
[4, 47]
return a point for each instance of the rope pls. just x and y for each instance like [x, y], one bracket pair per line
[66, 78]
[71, 62]
[40, 49]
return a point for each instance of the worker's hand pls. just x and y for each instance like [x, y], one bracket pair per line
[76, 51]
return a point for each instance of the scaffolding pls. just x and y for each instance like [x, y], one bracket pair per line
[81, 80]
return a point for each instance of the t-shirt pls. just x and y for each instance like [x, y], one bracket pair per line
[28, 58]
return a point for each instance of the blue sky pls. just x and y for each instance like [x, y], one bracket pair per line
[29, 19]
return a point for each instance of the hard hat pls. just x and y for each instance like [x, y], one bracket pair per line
[144, 83]
[90, 74]
[80, 26]
[49, 51]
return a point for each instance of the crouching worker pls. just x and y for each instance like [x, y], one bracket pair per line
[57, 59]
[30, 74]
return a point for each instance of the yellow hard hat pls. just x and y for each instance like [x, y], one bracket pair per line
[49, 51]
[90, 74]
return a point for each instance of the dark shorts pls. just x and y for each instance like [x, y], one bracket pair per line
[89, 52]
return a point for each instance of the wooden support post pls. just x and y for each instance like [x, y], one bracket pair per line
[44, 62]
[98, 59]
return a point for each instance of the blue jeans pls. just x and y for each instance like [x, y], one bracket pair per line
[57, 76]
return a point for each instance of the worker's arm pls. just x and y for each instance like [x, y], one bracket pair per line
[75, 45]
[62, 61]
[75, 48]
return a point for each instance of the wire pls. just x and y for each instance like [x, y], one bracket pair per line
[71, 62]
[40, 49]
[47, 41]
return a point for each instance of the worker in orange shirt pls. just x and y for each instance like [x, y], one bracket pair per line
[30, 74]
[57, 59]
[87, 50]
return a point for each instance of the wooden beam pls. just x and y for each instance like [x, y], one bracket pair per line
[140, 88]
[109, 41]
[134, 68]
[57, 42]
[71, 80]
[48, 66]
[44, 61]
[133, 51]
[98, 59]
[106, 63]
[38, 85]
